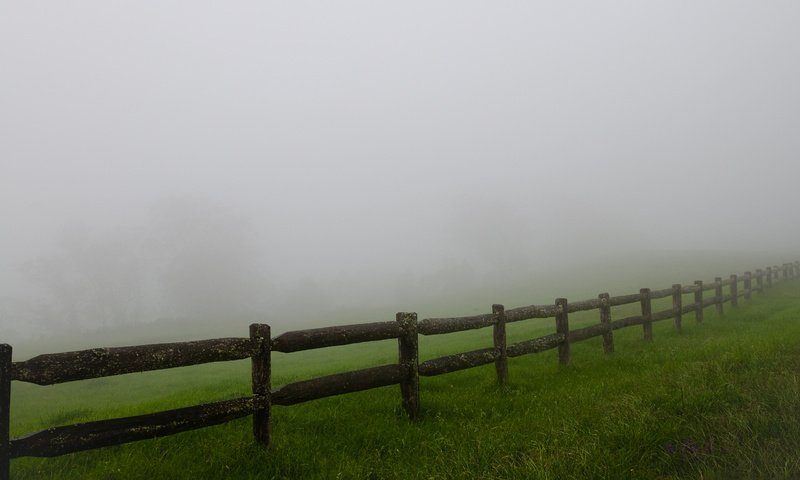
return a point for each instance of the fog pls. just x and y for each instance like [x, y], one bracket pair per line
[299, 163]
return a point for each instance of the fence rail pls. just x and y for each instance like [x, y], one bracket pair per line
[56, 368]
[104, 362]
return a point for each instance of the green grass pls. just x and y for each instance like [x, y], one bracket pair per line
[721, 400]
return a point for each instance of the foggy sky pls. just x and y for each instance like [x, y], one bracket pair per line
[366, 145]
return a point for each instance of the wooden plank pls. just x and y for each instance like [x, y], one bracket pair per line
[312, 338]
[562, 328]
[535, 345]
[734, 283]
[662, 315]
[55, 368]
[760, 281]
[677, 306]
[590, 304]
[499, 338]
[663, 293]
[711, 301]
[438, 326]
[692, 307]
[337, 384]
[531, 311]
[692, 288]
[261, 373]
[647, 314]
[408, 343]
[627, 322]
[605, 319]
[5, 410]
[459, 361]
[589, 332]
[86, 436]
[748, 285]
[625, 299]
[727, 281]
[711, 286]
[698, 301]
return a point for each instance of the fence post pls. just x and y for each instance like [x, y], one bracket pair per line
[769, 277]
[760, 281]
[261, 377]
[647, 314]
[409, 363]
[499, 334]
[605, 319]
[748, 285]
[562, 327]
[698, 301]
[5, 410]
[734, 291]
[677, 305]
[718, 294]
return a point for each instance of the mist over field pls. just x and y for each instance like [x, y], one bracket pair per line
[173, 170]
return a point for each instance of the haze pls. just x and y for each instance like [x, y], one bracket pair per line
[206, 163]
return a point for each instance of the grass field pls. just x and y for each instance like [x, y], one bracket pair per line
[720, 400]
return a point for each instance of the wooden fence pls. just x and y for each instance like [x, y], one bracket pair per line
[101, 362]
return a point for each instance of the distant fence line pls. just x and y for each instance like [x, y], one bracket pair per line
[101, 362]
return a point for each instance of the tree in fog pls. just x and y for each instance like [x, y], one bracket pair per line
[209, 262]
[88, 280]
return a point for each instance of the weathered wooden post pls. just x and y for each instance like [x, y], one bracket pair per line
[562, 327]
[698, 301]
[499, 334]
[718, 294]
[262, 379]
[734, 291]
[647, 314]
[5, 411]
[769, 277]
[408, 343]
[760, 281]
[605, 319]
[748, 285]
[677, 305]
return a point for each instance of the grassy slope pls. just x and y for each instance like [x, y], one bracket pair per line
[722, 400]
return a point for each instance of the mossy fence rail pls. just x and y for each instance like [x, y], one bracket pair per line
[101, 362]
